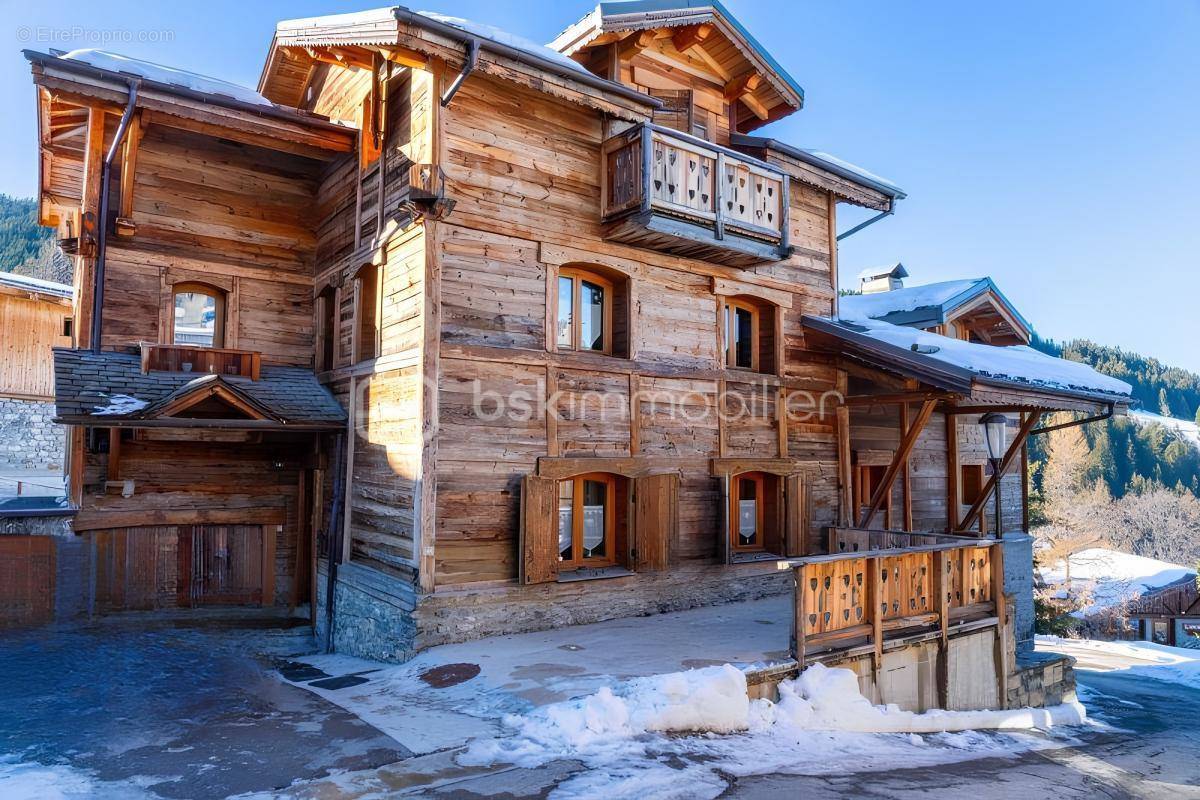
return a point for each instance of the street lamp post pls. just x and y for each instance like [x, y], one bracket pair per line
[995, 429]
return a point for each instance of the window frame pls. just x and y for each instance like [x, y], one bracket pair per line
[220, 303]
[760, 490]
[360, 300]
[577, 560]
[729, 306]
[326, 309]
[578, 276]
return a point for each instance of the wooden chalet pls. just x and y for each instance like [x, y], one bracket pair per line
[583, 326]
[1169, 615]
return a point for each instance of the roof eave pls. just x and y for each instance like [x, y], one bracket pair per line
[765, 142]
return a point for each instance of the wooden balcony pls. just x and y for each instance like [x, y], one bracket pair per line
[200, 360]
[665, 190]
[863, 600]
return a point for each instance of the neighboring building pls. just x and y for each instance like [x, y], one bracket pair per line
[35, 316]
[582, 326]
[973, 309]
[1169, 615]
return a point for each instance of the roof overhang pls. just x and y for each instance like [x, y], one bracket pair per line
[852, 184]
[399, 27]
[637, 15]
[971, 387]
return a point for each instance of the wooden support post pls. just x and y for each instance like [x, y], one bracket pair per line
[908, 508]
[722, 443]
[996, 558]
[845, 482]
[1010, 456]
[113, 472]
[635, 412]
[941, 567]
[951, 471]
[884, 489]
[269, 533]
[875, 601]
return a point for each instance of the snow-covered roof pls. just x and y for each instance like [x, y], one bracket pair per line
[825, 161]
[170, 76]
[924, 305]
[1112, 578]
[492, 33]
[35, 285]
[896, 270]
[961, 359]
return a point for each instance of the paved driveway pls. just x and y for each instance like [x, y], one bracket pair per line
[119, 711]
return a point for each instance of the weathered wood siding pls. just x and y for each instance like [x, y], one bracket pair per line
[230, 215]
[524, 171]
[28, 329]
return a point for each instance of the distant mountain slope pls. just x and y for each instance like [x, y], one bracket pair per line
[27, 248]
[1157, 388]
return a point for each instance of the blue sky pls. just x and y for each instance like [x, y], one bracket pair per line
[1053, 146]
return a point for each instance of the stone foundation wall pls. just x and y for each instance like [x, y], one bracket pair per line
[1018, 585]
[465, 614]
[372, 614]
[1041, 679]
[28, 438]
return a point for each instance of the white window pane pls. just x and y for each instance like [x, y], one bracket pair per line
[592, 321]
[566, 518]
[195, 318]
[566, 311]
[595, 499]
[747, 521]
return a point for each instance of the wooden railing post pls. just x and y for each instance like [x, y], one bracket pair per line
[941, 566]
[875, 600]
[800, 622]
[719, 197]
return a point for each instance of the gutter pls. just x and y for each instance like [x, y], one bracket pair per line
[1097, 418]
[276, 112]
[102, 222]
[464, 38]
[742, 140]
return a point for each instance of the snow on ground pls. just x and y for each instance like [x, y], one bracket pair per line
[820, 724]
[25, 781]
[1172, 664]
[1190, 431]
[1112, 578]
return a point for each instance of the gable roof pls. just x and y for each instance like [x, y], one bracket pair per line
[36, 285]
[167, 76]
[102, 388]
[924, 306]
[634, 15]
[957, 365]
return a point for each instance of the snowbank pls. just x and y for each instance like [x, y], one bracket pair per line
[1172, 664]
[714, 701]
[26, 781]
[1113, 578]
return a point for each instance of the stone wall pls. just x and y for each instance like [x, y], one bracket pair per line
[28, 438]
[1040, 680]
[372, 614]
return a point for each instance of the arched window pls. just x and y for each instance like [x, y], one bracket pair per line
[592, 311]
[366, 313]
[748, 334]
[587, 520]
[198, 315]
[326, 310]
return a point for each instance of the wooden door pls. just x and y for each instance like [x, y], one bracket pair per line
[222, 564]
[26, 580]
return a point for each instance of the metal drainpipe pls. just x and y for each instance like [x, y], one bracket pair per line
[1098, 418]
[102, 222]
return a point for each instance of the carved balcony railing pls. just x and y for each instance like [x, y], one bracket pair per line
[668, 191]
[863, 600]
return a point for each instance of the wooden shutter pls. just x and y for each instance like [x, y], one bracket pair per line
[795, 498]
[724, 545]
[656, 515]
[539, 530]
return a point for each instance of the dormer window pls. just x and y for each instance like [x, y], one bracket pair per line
[199, 315]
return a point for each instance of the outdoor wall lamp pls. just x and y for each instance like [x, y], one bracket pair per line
[995, 431]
